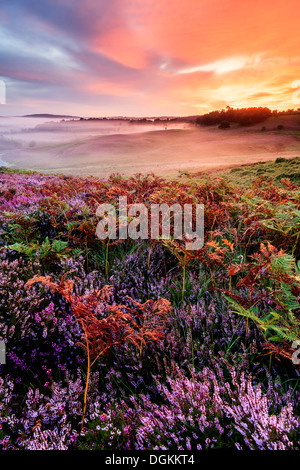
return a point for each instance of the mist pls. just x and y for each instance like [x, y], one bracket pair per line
[103, 147]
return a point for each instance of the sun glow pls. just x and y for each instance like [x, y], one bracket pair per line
[227, 65]
[145, 57]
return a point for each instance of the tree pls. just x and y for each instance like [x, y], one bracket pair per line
[224, 125]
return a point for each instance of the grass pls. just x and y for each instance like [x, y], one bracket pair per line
[5, 169]
[288, 132]
[278, 169]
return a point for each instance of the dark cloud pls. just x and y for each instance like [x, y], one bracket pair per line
[77, 17]
[46, 52]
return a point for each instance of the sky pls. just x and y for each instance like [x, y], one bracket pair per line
[147, 57]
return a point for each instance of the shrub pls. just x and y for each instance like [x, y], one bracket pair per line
[204, 411]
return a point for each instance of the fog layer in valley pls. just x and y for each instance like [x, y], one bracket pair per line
[104, 147]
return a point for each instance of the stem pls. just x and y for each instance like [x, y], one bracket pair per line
[270, 362]
[211, 277]
[183, 283]
[102, 352]
[141, 343]
[87, 376]
[192, 346]
[86, 250]
[106, 259]
[148, 263]
[295, 245]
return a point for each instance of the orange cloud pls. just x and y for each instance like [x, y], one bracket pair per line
[225, 51]
[167, 56]
[121, 45]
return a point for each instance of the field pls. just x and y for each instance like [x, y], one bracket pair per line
[278, 169]
[138, 344]
[102, 148]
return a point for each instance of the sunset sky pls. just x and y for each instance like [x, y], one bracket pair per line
[147, 57]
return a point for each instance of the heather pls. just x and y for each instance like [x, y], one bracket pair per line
[139, 344]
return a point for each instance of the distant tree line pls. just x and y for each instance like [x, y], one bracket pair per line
[287, 111]
[242, 116]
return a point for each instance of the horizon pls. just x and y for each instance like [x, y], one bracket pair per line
[90, 58]
[124, 117]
